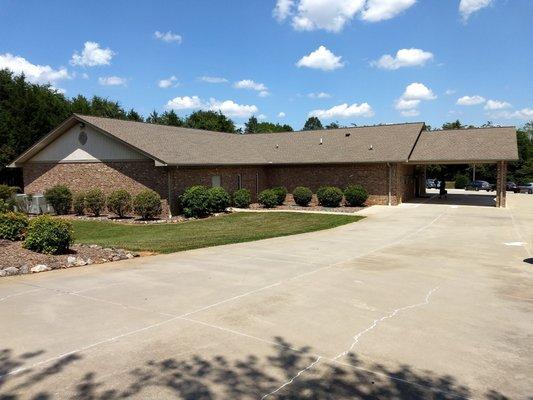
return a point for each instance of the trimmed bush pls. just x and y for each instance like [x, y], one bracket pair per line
[281, 194]
[119, 202]
[461, 181]
[219, 200]
[147, 204]
[78, 203]
[48, 235]
[6, 206]
[242, 198]
[94, 201]
[13, 225]
[7, 192]
[59, 197]
[329, 196]
[195, 201]
[302, 196]
[268, 198]
[355, 195]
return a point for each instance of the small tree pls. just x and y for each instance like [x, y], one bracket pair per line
[60, 198]
[147, 204]
[94, 201]
[312, 124]
[78, 203]
[219, 200]
[196, 201]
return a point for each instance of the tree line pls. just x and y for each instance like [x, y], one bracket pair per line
[28, 111]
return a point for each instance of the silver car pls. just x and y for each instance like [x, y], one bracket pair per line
[526, 188]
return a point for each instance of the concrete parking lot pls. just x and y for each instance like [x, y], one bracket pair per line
[426, 300]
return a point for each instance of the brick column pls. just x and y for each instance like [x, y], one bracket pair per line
[501, 184]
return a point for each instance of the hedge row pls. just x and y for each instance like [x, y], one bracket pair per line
[120, 202]
[328, 196]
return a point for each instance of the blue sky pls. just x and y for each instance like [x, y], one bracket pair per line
[351, 61]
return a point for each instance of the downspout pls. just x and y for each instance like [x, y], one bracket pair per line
[169, 181]
[390, 184]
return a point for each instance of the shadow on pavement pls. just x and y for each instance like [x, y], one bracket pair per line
[218, 377]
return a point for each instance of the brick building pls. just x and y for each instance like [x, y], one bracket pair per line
[388, 160]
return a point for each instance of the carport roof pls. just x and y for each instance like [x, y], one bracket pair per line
[466, 146]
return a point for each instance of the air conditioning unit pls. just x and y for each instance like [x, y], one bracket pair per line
[33, 204]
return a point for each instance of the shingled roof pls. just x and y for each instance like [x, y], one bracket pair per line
[407, 142]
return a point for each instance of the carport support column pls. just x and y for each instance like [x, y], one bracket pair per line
[501, 184]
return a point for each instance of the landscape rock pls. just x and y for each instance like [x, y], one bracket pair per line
[80, 262]
[90, 261]
[11, 271]
[71, 260]
[129, 255]
[2, 273]
[40, 268]
[95, 246]
[25, 269]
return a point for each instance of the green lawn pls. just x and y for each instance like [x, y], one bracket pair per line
[231, 228]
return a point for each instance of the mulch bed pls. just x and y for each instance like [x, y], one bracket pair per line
[126, 220]
[313, 206]
[14, 256]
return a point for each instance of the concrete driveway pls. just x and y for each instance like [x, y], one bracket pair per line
[418, 301]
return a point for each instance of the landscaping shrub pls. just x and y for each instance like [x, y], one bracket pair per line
[242, 198]
[355, 195]
[94, 201]
[219, 199]
[119, 202]
[78, 203]
[268, 198]
[329, 196]
[281, 194]
[6, 206]
[59, 197]
[7, 192]
[461, 181]
[48, 235]
[13, 225]
[196, 201]
[302, 196]
[147, 204]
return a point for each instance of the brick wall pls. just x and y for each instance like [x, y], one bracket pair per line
[133, 176]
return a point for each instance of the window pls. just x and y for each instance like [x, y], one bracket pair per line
[239, 181]
[215, 181]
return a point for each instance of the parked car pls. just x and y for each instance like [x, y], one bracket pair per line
[511, 187]
[431, 184]
[526, 188]
[479, 185]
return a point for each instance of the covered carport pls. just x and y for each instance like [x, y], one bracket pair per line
[467, 146]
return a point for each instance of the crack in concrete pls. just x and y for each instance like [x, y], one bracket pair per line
[356, 338]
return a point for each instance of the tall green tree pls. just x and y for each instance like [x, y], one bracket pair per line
[153, 118]
[133, 115]
[170, 118]
[253, 126]
[312, 124]
[211, 121]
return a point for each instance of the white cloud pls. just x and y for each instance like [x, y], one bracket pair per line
[524, 113]
[333, 15]
[112, 81]
[227, 107]
[410, 113]
[168, 37]
[84, 75]
[449, 92]
[34, 73]
[232, 109]
[166, 83]
[213, 79]
[468, 7]
[496, 105]
[321, 58]
[411, 98]
[344, 111]
[418, 91]
[261, 117]
[252, 85]
[249, 84]
[185, 103]
[404, 58]
[470, 100]
[380, 10]
[283, 9]
[319, 95]
[92, 55]
[281, 114]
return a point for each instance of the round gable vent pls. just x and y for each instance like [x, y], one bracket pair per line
[82, 137]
